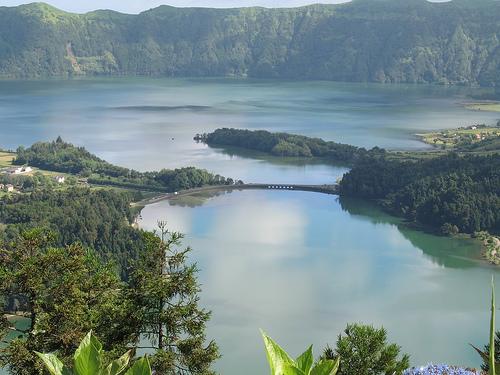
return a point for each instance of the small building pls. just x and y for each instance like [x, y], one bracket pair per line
[9, 188]
[21, 170]
[2, 186]
[16, 170]
[59, 179]
[473, 127]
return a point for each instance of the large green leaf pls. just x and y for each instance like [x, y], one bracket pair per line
[305, 360]
[141, 367]
[87, 358]
[326, 367]
[119, 365]
[52, 363]
[289, 369]
[276, 356]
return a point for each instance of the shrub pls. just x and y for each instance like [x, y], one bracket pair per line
[282, 364]
[88, 360]
[364, 351]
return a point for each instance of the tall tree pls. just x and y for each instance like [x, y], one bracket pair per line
[164, 293]
[63, 293]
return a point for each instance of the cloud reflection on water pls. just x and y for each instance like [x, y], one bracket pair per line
[300, 266]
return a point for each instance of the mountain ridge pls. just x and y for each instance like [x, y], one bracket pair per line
[411, 41]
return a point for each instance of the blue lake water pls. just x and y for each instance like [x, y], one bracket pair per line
[299, 265]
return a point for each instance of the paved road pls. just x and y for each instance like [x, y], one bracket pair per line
[325, 189]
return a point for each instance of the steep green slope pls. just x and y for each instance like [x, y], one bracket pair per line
[365, 40]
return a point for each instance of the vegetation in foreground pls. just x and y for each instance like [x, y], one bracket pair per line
[363, 350]
[281, 363]
[67, 291]
[89, 359]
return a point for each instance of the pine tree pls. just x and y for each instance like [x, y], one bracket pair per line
[164, 294]
[64, 293]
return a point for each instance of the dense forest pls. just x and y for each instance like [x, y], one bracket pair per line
[98, 219]
[454, 193]
[363, 40]
[60, 156]
[285, 144]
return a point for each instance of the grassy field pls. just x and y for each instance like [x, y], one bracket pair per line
[460, 137]
[6, 159]
[486, 106]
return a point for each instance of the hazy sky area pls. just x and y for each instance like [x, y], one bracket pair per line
[137, 6]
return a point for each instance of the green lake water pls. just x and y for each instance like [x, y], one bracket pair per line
[302, 265]
[299, 265]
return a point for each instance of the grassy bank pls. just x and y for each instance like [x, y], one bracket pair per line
[491, 247]
[484, 106]
[6, 159]
[461, 137]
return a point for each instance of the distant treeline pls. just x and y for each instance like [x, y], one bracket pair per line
[64, 157]
[386, 41]
[284, 144]
[451, 193]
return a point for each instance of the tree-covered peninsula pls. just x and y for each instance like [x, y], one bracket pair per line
[60, 156]
[82, 198]
[286, 145]
[445, 191]
[454, 42]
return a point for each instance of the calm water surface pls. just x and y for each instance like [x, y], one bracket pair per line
[302, 265]
[299, 265]
[150, 123]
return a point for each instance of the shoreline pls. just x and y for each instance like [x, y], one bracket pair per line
[486, 105]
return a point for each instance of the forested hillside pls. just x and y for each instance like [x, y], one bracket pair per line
[454, 193]
[365, 40]
[60, 156]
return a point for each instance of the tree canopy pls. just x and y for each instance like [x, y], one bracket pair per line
[381, 41]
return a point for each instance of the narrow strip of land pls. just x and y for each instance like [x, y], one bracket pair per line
[324, 189]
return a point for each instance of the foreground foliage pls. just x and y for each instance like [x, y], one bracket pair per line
[440, 370]
[64, 292]
[164, 288]
[89, 360]
[282, 364]
[363, 350]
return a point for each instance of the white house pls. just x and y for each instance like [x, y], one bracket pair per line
[9, 188]
[21, 170]
[59, 179]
